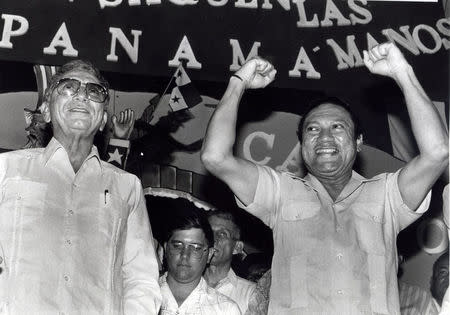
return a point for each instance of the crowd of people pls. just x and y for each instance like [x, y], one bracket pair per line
[75, 236]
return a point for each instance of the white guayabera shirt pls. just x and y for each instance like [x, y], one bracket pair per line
[73, 243]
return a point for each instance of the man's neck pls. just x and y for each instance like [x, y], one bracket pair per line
[77, 148]
[334, 186]
[215, 273]
[181, 291]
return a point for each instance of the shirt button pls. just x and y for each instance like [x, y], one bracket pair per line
[69, 242]
[66, 278]
[339, 256]
[339, 228]
[340, 292]
[375, 218]
[70, 212]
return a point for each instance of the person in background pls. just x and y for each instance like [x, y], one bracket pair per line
[219, 274]
[334, 231]
[75, 232]
[188, 247]
[439, 279]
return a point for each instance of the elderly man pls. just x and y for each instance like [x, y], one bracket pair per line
[75, 232]
[227, 242]
[334, 230]
[188, 247]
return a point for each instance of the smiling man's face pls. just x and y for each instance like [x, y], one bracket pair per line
[328, 143]
[76, 114]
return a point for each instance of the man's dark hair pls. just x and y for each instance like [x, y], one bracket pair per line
[185, 216]
[81, 65]
[331, 100]
[227, 215]
[438, 287]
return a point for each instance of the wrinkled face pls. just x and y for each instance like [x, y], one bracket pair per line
[75, 114]
[328, 143]
[225, 243]
[187, 253]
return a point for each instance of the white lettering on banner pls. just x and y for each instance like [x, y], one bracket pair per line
[268, 140]
[406, 42]
[109, 3]
[238, 56]
[444, 30]
[409, 38]
[332, 12]
[434, 35]
[304, 63]
[350, 59]
[364, 12]
[185, 52]
[8, 31]
[131, 50]
[61, 39]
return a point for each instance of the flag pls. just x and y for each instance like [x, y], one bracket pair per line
[184, 94]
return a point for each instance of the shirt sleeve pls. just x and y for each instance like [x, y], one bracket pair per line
[267, 196]
[142, 294]
[402, 214]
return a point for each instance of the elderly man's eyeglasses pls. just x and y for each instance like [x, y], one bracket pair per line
[70, 86]
[194, 250]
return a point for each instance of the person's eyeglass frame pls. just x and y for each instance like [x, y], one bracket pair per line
[194, 250]
[87, 88]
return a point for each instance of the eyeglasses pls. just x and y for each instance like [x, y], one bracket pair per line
[196, 250]
[70, 86]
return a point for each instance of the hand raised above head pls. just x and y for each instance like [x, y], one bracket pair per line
[256, 73]
[385, 59]
[123, 125]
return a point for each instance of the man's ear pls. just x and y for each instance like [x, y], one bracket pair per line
[45, 110]
[105, 119]
[359, 143]
[238, 247]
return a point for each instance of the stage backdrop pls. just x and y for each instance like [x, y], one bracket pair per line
[316, 46]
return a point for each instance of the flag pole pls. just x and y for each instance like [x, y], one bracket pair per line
[167, 87]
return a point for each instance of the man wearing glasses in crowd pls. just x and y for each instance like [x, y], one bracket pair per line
[75, 232]
[188, 248]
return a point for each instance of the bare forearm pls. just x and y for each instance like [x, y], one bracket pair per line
[221, 132]
[429, 130]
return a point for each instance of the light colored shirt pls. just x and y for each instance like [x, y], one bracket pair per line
[416, 301]
[236, 288]
[333, 257]
[203, 300]
[445, 307]
[73, 243]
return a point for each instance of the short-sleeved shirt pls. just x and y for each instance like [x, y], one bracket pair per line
[333, 257]
[203, 300]
[236, 288]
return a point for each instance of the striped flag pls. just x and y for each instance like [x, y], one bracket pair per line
[184, 94]
[43, 75]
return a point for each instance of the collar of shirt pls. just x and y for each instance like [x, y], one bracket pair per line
[355, 181]
[54, 145]
[230, 278]
[192, 301]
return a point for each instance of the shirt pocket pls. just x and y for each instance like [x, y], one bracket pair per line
[24, 200]
[369, 222]
[296, 210]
